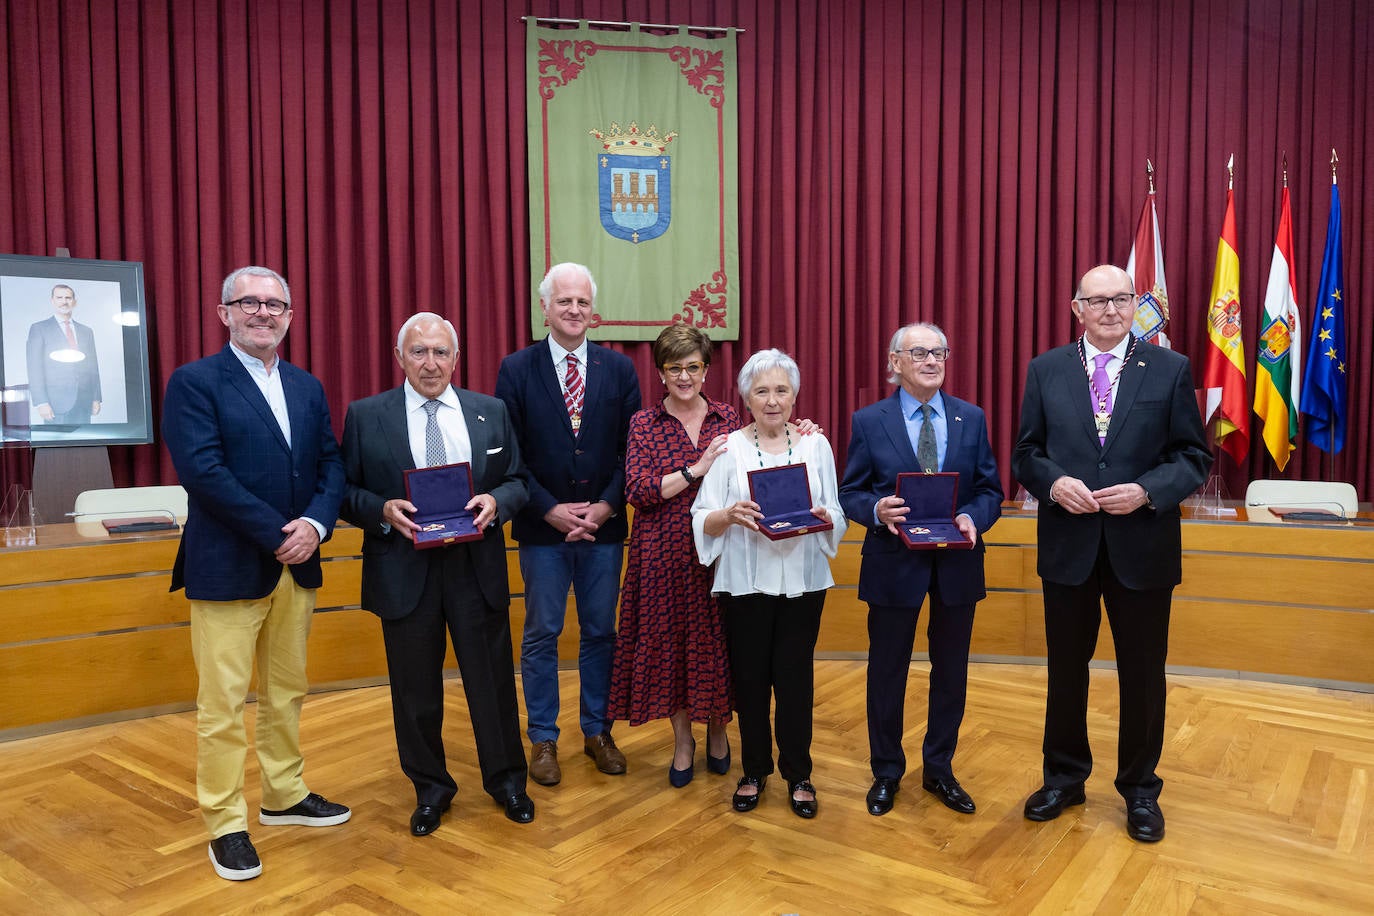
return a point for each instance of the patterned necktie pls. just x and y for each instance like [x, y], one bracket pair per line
[927, 455]
[573, 391]
[1102, 393]
[435, 454]
[71, 337]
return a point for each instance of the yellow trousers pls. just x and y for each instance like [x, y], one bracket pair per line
[226, 636]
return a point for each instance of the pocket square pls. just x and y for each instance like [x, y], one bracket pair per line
[493, 451]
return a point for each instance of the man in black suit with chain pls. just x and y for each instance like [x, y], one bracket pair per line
[1110, 442]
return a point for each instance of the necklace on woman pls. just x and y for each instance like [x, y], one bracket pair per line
[758, 451]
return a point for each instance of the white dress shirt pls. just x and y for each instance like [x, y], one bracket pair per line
[452, 425]
[747, 562]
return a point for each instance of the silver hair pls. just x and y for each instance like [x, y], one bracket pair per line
[227, 291]
[766, 361]
[546, 285]
[892, 377]
[418, 317]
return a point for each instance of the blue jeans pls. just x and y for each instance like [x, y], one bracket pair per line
[593, 571]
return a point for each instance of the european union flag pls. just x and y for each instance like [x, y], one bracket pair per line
[1324, 387]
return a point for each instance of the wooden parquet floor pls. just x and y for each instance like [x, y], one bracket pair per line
[1268, 797]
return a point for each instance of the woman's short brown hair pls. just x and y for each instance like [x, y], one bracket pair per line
[678, 341]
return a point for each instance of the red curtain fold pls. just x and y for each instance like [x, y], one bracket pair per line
[961, 163]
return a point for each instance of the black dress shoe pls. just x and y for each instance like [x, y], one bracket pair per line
[519, 808]
[426, 819]
[1144, 820]
[803, 807]
[748, 802]
[948, 790]
[1045, 804]
[882, 795]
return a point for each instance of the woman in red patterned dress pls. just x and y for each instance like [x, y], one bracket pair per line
[670, 659]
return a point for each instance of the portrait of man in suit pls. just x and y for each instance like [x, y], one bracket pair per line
[462, 588]
[250, 437]
[571, 401]
[63, 367]
[918, 428]
[1110, 443]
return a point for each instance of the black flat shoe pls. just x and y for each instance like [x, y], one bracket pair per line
[1144, 820]
[948, 790]
[748, 802]
[1045, 804]
[803, 808]
[425, 820]
[519, 807]
[882, 795]
[679, 778]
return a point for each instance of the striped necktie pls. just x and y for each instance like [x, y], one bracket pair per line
[573, 391]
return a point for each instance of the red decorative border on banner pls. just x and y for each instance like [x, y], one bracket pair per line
[707, 77]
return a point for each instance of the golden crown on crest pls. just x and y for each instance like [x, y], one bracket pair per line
[632, 141]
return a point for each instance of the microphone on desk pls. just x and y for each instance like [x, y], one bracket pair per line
[1304, 511]
[135, 519]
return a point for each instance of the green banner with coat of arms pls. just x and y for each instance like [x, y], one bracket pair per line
[633, 171]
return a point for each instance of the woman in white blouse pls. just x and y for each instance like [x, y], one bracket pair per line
[772, 591]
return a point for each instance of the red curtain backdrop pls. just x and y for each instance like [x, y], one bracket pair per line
[955, 162]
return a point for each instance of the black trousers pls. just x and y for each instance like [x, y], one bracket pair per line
[1139, 621]
[415, 648]
[772, 645]
[891, 636]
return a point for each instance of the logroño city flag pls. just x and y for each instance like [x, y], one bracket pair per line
[1278, 352]
[1224, 375]
[633, 171]
[1146, 267]
[1324, 389]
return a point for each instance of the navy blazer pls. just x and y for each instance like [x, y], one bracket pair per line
[879, 449]
[243, 483]
[562, 466]
[60, 385]
[376, 455]
[1155, 439]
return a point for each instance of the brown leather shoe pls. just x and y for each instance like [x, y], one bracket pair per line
[544, 763]
[608, 758]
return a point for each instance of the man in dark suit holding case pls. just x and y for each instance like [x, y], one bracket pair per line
[571, 401]
[918, 428]
[462, 587]
[249, 435]
[1110, 443]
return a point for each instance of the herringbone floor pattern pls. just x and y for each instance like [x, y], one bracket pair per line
[1269, 803]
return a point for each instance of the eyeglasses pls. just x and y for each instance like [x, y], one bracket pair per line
[1121, 302]
[919, 354]
[692, 369]
[252, 306]
[419, 354]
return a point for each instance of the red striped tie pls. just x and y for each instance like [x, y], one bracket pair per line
[573, 391]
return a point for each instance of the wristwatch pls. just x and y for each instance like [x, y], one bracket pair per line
[687, 475]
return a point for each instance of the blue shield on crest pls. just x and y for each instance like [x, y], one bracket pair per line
[635, 195]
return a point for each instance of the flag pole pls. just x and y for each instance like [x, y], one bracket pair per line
[1150, 175]
[1331, 455]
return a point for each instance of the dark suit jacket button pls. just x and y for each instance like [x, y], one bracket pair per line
[577, 451]
[1101, 465]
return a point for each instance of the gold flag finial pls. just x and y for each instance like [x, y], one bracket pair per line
[1334, 159]
[1285, 168]
[1150, 174]
[1230, 171]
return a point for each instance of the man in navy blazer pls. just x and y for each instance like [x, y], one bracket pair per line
[462, 587]
[249, 435]
[63, 390]
[917, 422]
[1111, 443]
[571, 402]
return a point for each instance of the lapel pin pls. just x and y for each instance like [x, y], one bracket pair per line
[958, 419]
[1140, 363]
[481, 418]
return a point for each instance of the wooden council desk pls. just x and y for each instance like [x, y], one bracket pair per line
[91, 633]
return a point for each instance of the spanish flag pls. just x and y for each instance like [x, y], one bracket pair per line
[1224, 376]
